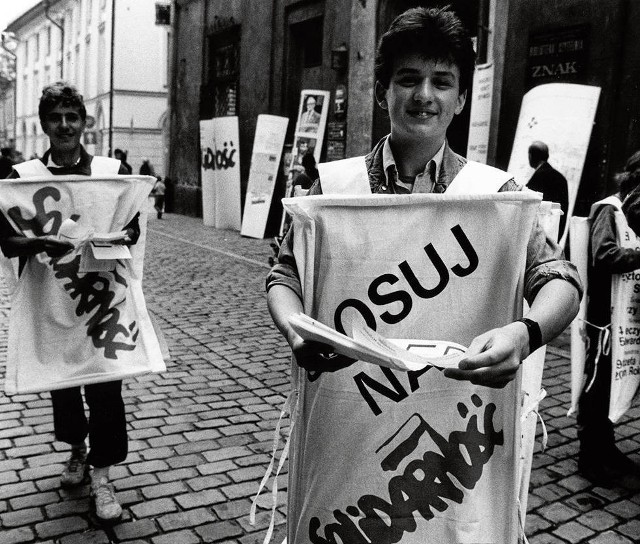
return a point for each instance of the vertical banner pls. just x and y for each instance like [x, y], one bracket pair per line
[560, 115]
[309, 134]
[480, 122]
[625, 329]
[219, 145]
[265, 160]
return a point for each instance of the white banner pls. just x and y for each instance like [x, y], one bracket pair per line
[625, 329]
[220, 167]
[72, 328]
[480, 120]
[385, 456]
[265, 160]
[561, 115]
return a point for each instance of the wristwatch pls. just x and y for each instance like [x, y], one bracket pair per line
[535, 335]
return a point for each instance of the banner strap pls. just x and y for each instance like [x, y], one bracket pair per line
[289, 407]
[523, 539]
[533, 406]
[604, 348]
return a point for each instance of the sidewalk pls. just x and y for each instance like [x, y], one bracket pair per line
[201, 433]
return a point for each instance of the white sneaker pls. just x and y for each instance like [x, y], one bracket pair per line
[104, 498]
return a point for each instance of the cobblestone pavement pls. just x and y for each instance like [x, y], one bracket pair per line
[201, 433]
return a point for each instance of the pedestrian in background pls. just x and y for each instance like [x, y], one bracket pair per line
[63, 119]
[122, 157]
[146, 169]
[548, 181]
[158, 196]
[600, 460]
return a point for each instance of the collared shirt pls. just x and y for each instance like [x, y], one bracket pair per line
[423, 180]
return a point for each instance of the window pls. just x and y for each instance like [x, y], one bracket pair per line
[48, 40]
[220, 96]
[163, 14]
[37, 46]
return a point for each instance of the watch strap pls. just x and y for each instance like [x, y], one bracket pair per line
[535, 335]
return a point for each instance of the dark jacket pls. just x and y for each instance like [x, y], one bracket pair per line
[553, 186]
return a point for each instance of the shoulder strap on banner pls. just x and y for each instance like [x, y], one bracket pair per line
[31, 169]
[476, 178]
[345, 177]
[609, 201]
[104, 166]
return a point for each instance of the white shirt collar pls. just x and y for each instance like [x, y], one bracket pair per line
[388, 159]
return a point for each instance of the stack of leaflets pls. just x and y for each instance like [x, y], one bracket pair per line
[365, 344]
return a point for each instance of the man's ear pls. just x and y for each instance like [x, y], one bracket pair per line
[462, 98]
[381, 95]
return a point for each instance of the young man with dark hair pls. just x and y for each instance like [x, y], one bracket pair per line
[62, 117]
[423, 68]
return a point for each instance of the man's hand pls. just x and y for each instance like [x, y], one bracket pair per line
[316, 357]
[52, 246]
[493, 358]
[130, 238]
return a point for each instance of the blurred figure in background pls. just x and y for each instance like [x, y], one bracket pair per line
[147, 169]
[6, 162]
[122, 157]
[158, 196]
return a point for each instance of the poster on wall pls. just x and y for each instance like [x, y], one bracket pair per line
[265, 160]
[310, 126]
[220, 167]
[480, 121]
[561, 115]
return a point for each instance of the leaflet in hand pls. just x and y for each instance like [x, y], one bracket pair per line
[367, 345]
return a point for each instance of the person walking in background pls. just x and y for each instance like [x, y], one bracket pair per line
[548, 181]
[146, 169]
[122, 157]
[63, 117]
[308, 175]
[600, 460]
[158, 196]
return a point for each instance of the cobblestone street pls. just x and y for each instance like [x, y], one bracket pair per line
[201, 433]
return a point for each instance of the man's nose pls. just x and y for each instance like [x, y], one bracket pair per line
[63, 121]
[424, 92]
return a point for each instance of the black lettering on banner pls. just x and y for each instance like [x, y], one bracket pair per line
[93, 294]
[356, 304]
[396, 392]
[422, 488]
[219, 159]
[440, 267]
[469, 252]
[380, 299]
[42, 219]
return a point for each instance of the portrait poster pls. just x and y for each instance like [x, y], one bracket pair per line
[308, 137]
[220, 168]
[265, 161]
[561, 115]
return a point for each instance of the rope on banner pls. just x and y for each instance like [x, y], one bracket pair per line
[604, 347]
[289, 407]
[533, 406]
[523, 539]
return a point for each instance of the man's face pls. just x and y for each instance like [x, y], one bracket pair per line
[64, 126]
[311, 103]
[422, 98]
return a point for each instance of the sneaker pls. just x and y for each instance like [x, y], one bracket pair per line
[104, 498]
[75, 469]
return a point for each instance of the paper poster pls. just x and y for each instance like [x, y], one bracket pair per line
[69, 327]
[309, 134]
[480, 121]
[265, 160]
[220, 168]
[426, 453]
[561, 115]
[625, 328]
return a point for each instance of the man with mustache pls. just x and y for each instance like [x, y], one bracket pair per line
[63, 119]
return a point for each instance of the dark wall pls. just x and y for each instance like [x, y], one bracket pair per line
[608, 37]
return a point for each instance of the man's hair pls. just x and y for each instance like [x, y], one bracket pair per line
[433, 33]
[539, 151]
[60, 93]
[5, 151]
[629, 178]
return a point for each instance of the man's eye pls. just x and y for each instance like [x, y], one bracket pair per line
[407, 81]
[72, 118]
[443, 83]
[54, 117]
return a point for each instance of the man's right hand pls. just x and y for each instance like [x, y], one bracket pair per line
[316, 357]
[52, 246]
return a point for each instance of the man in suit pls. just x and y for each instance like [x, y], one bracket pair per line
[309, 118]
[548, 181]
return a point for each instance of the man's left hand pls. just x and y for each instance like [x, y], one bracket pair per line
[493, 358]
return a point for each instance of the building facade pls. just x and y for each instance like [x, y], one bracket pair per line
[115, 53]
[271, 50]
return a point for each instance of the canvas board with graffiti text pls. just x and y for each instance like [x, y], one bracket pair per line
[220, 166]
[89, 327]
[309, 134]
[265, 161]
[480, 120]
[425, 453]
[561, 115]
